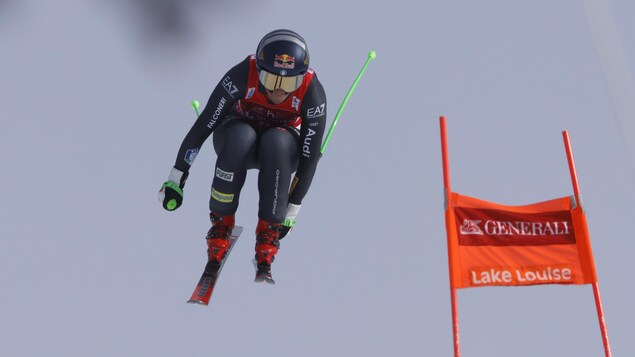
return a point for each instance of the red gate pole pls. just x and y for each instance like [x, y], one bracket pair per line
[448, 205]
[596, 287]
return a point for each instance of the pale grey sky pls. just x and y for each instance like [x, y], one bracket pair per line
[94, 103]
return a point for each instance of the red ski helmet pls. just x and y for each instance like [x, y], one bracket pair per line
[282, 58]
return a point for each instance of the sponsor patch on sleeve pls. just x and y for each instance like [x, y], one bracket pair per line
[229, 86]
[190, 155]
[316, 112]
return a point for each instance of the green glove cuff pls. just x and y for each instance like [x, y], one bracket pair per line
[288, 222]
[173, 186]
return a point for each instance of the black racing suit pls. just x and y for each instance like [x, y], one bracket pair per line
[277, 148]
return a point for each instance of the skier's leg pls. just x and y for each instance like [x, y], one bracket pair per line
[278, 158]
[235, 143]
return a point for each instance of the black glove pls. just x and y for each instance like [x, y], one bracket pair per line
[171, 193]
[284, 231]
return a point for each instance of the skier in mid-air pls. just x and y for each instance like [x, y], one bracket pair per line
[267, 112]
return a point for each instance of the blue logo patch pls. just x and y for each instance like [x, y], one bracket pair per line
[190, 155]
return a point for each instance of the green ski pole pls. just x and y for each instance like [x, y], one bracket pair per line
[371, 56]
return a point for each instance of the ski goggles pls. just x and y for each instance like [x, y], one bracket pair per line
[287, 83]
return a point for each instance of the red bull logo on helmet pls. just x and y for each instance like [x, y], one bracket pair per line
[284, 61]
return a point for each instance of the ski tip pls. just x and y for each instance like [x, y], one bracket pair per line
[264, 280]
[263, 276]
[196, 302]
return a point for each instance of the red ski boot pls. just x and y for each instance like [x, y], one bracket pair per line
[218, 236]
[267, 245]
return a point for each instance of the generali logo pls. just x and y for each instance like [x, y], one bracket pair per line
[470, 226]
[510, 228]
[496, 227]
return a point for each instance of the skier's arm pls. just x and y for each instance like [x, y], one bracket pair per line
[229, 89]
[313, 111]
